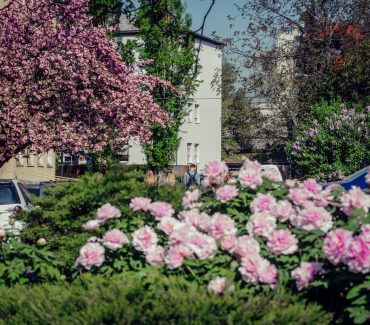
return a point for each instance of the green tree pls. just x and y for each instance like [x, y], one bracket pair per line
[165, 37]
[240, 121]
[105, 12]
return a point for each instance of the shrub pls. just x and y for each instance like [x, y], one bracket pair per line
[332, 143]
[142, 298]
[258, 234]
[66, 207]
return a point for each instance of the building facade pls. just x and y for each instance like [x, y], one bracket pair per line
[30, 167]
[201, 130]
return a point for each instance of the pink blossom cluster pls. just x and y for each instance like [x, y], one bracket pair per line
[250, 175]
[215, 173]
[217, 285]
[161, 209]
[190, 199]
[226, 193]
[355, 199]
[140, 203]
[341, 246]
[305, 273]
[103, 214]
[64, 85]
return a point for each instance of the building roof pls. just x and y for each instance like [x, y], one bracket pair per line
[127, 28]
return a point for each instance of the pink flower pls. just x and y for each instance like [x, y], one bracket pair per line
[255, 268]
[291, 182]
[311, 186]
[323, 198]
[204, 222]
[253, 165]
[268, 274]
[184, 250]
[217, 285]
[107, 212]
[226, 193]
[115, 239]
[263, 203]
[190, 216]
[161, 209]
[91, 225]
[359, 255]
[140, 203]
[202, 245]
[221, 225]
[155, 256]
[314, 218]
[282, 242]
[249, 269]
[336, 245]
[365, 233]
[250, 178]
[305, 273]
[144, 238]
[261, 224]
[283, 210]
[216, 169]
[245, 246]
[355, 199]
[190, 199]
[228, 243]
[173, 258]
[181, 234]
[298, 195]
[91, 254]
[168, 225]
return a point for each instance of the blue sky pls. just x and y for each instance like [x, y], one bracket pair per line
[217, 20]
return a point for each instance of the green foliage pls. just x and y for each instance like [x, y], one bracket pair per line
[24, 264]
[165, 37]
[334, 141]
[59, 216]
[105, 12]
[147, 298]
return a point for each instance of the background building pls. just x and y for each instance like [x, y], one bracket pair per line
[201, 131]
[30, 167]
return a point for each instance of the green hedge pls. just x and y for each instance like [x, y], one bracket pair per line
[140, 299]
[67, 207]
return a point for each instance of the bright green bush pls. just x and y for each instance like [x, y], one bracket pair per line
[332, 143]
[139, 298]
[61, 214]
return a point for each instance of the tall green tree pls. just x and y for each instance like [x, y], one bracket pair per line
[105, 12]
[166, 38]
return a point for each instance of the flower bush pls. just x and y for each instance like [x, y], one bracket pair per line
[269, 234]
[333, 142]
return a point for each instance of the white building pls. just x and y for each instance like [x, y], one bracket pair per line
[201, 131]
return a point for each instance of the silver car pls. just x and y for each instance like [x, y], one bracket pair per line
[13, 198]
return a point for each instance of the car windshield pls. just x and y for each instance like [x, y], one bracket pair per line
[358, 173]
[8, 194]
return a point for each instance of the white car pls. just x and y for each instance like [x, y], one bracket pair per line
[13, 198]
[274, 171]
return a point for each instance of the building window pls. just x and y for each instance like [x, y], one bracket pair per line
[29, 158]
[40, 160]
[19, 160]
[190, 113]
[196, 114]
[188, 153]
[196, 153]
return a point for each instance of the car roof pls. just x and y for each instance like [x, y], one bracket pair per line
[6, 180]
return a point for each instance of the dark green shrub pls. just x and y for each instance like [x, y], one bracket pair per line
[67, 207]
[149, 299]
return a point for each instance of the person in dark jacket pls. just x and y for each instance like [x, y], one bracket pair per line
[191, 177]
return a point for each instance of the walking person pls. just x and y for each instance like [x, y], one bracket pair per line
[191, 177]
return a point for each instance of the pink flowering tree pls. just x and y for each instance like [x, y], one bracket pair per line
[252, 234]
[63, 85]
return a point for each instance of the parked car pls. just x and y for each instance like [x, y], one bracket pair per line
[39, 189]
[273, 169]
[14, 197]
[356, 179]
